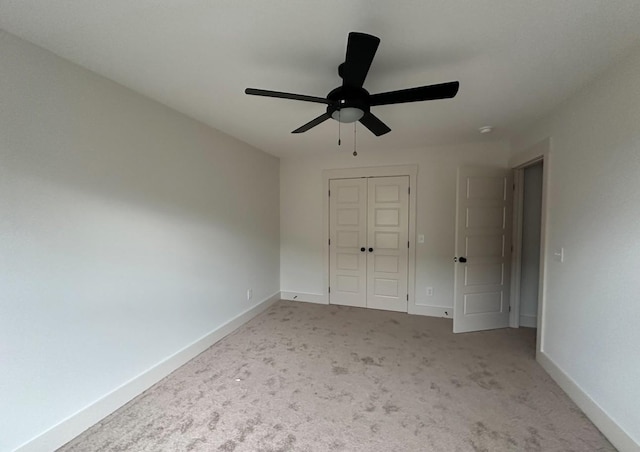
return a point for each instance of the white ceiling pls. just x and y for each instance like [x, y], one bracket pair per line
[515, 59]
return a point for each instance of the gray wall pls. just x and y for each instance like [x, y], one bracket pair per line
[302, 215]
[127, 232]
[592, 306]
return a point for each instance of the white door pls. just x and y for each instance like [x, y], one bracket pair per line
[347, 242]
[368, 242]
[483, 249]
[388, 252]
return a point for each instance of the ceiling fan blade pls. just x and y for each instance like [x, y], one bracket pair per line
[281, 95]
[371, 122]
[361, 48]
[320, 119]
[431, 92]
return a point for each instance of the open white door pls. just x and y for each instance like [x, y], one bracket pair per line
[483, 249]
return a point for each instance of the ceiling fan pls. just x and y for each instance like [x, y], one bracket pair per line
[351, 102]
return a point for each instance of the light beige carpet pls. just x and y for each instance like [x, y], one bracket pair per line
[304, 377]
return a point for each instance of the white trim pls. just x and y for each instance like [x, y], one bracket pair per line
[518, 215]
[531, 155]
[544, 222]
[608, 426]
[528, 321]
[433, 311]
[537, 152]
[305, 297]
[516, 256]
[374, 171]
[77, 423]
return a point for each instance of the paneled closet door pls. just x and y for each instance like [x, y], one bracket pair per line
[348, 239]
[387, 243]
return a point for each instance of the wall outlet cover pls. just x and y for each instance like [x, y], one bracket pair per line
[558, 254]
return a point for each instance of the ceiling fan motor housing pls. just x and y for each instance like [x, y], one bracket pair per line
[348, 97]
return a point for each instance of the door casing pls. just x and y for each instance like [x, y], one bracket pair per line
[518, 225]
[539, 151]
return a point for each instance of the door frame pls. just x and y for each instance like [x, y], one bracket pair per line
[518, 218]
[539, 152]
[375, 171]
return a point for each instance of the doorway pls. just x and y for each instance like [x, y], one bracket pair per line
[530, 245]
[527, 261]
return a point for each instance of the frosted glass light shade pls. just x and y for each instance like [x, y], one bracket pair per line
[347, 114]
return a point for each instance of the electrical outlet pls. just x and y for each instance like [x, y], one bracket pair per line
[249, 294]
[558, 254]
[420, 238]
[429, 291]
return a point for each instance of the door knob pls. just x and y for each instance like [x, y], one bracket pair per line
[371, 250]
[362, 249]
[462, 259]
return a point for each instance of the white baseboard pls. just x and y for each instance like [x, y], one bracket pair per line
[303, 296]
[609, 428]
[529, 321]
[77, 423]
[431, 311]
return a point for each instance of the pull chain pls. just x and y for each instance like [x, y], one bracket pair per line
[339, 141]
[355, 153]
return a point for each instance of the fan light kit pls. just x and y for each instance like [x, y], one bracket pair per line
[347, 114]
[351, 102]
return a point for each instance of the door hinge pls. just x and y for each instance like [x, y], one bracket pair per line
[514, 187]
[407, 297]
[329, 289]
[329, 242]
[329, 193]
[407, 244]
[409, 190]
[509, 308]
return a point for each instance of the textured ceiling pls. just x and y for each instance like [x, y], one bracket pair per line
[515, 59]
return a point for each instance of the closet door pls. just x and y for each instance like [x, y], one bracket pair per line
[387, 243]
[347, 242]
